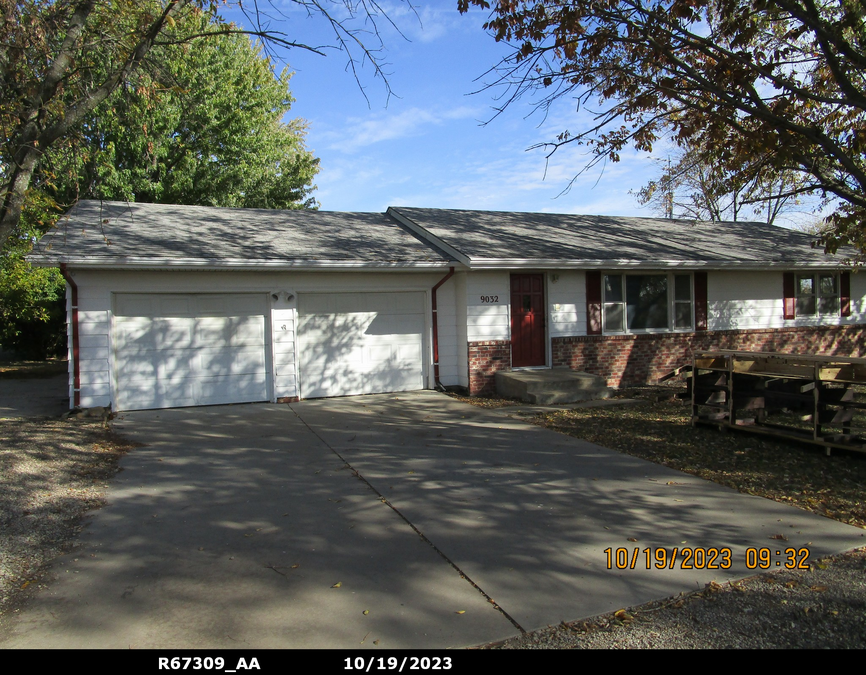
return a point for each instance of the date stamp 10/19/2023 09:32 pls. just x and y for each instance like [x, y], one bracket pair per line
[764, 558]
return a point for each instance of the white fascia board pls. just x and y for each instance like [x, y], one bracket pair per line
[258, 265]
[538, 263]
[426, 235]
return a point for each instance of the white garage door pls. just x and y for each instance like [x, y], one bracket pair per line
[183, 350]
[360, 343]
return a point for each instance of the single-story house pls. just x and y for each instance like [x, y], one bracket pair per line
[185, 305]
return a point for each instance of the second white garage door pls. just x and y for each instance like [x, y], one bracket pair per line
[184, 350]
[360, 343]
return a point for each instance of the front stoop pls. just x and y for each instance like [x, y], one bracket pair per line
[559, 385]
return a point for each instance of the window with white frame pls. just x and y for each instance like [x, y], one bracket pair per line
[817, 294]
[647, 302]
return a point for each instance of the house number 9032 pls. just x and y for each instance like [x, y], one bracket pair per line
[489, 298]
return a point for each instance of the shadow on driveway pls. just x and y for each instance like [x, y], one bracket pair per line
[243, 526]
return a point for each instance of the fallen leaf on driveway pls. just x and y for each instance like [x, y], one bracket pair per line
[337, 585]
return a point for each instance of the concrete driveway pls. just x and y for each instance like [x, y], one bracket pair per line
[387, 521]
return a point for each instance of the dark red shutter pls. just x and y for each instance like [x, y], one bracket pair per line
[700, 301]
[593, 303]
[788, 291]
[845, 292]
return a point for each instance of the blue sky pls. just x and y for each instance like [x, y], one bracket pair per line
[433, 142]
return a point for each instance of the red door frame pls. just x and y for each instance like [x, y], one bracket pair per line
[528, 314]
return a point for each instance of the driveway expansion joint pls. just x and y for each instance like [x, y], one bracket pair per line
[397, 511]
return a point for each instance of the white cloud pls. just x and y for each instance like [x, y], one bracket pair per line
[380, 127]
[425, 23]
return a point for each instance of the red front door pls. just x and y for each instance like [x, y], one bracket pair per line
[527, 320]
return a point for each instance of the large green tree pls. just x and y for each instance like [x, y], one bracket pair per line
[61, 59]
[774, 85]
[32, 309]
[203, 125]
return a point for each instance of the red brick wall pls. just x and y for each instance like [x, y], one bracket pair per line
[638, 359]
[485, 358]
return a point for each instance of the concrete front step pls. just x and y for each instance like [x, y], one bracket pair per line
[546, 387]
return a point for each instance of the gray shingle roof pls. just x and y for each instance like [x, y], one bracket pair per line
[120, 234]
[488, 238]
[109, 233]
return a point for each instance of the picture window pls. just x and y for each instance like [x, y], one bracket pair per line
[647, 302]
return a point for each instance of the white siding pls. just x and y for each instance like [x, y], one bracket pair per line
[744, 300]
[566, 303]
[69, 346]
[462, 340]
[752, 300]
[94, 360]
[488, 320]
[446, 301]
[858, 297]
[284, 325]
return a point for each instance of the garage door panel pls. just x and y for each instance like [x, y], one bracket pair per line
[211, 332]
[247, 331]
[143, 334]
[410, 352]
[395, 379]
[189, 350]
[175, 307]
[134, 305]
[158, 394]
[230, 361]
[378, 354]
[217, 390]
[360, 343]
[396, 325]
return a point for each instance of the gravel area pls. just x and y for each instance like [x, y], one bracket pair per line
[824, 608]
[53, 472]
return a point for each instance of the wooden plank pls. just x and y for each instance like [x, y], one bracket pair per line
[723, 353]
[712, 363]
[763, 366]
[674, 373]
